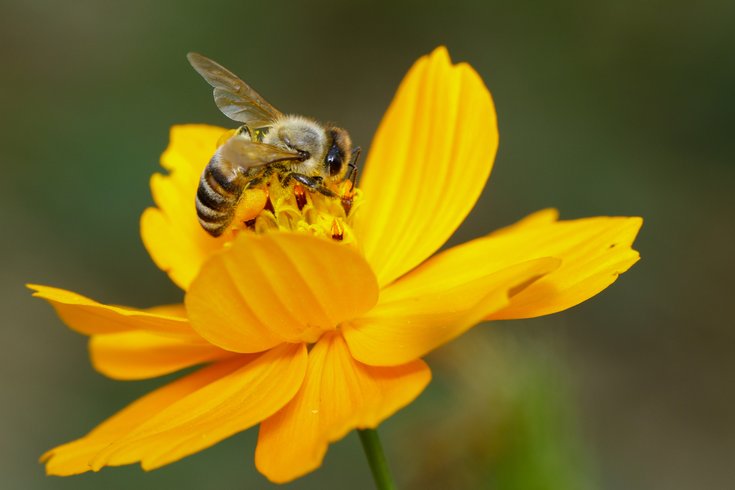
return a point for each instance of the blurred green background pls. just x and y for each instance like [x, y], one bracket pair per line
[605, 108]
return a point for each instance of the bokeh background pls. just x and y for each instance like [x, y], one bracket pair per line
[605, 108]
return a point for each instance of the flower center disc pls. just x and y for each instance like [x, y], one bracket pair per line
[277, 207]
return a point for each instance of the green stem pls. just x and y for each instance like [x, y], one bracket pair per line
[376, 459]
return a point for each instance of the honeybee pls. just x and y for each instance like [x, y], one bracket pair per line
[294, 147]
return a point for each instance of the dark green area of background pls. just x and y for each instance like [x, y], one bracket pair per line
[605, 108]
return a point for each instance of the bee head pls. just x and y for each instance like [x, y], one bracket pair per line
[340, 146]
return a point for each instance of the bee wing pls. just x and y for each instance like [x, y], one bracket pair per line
[235, 98]
[242, 154]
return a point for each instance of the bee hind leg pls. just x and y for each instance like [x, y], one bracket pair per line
[257, 176]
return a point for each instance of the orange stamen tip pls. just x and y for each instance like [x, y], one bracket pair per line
[348, 190]
[338, 230]
[300, 195]
[347, 201]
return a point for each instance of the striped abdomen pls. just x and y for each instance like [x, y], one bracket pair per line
[220, 188]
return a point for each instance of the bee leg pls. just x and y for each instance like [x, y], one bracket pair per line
[245, 129]
[355, 157]
[277, 166]
[352, 176]
[313, 183]
[285, 178]
[255, 177]
[254, 182]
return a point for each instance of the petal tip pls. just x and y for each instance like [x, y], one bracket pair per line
[441, 54]
[46, 292]
[637, 221]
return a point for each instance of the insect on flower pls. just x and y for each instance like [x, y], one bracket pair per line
[314, 319]
[298, 148]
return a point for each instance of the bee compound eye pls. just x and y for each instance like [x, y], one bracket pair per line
[334, 161]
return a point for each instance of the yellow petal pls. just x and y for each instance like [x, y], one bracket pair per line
[428, 164]
[278, 287]
[541, 217]
[140, 355]
[75, 457]
[595, 251]
[177, 310]
[224, 407]
[89, 317]
[433, 305]
[339, 394]
[171, 232]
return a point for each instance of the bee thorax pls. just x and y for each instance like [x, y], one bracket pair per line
[303, 135]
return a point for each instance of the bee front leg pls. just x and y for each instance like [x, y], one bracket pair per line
[355, 157]
[313, 183]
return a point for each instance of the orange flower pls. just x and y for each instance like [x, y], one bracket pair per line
[309, 336]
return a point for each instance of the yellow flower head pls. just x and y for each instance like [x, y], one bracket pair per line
[312, 314]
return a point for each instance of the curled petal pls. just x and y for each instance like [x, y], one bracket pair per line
[140, 355]
[433, 305]
[594, 252]
[278, 287]
[339, 394]
[90, 317]
[427, 165]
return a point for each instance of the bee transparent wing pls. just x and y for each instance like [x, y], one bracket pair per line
[235, 98]
[242, 154]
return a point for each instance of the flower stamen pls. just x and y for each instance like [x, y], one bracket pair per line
[300, 196]
[347, 197]
[293, 207]
[338, 231]
[269, 205]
